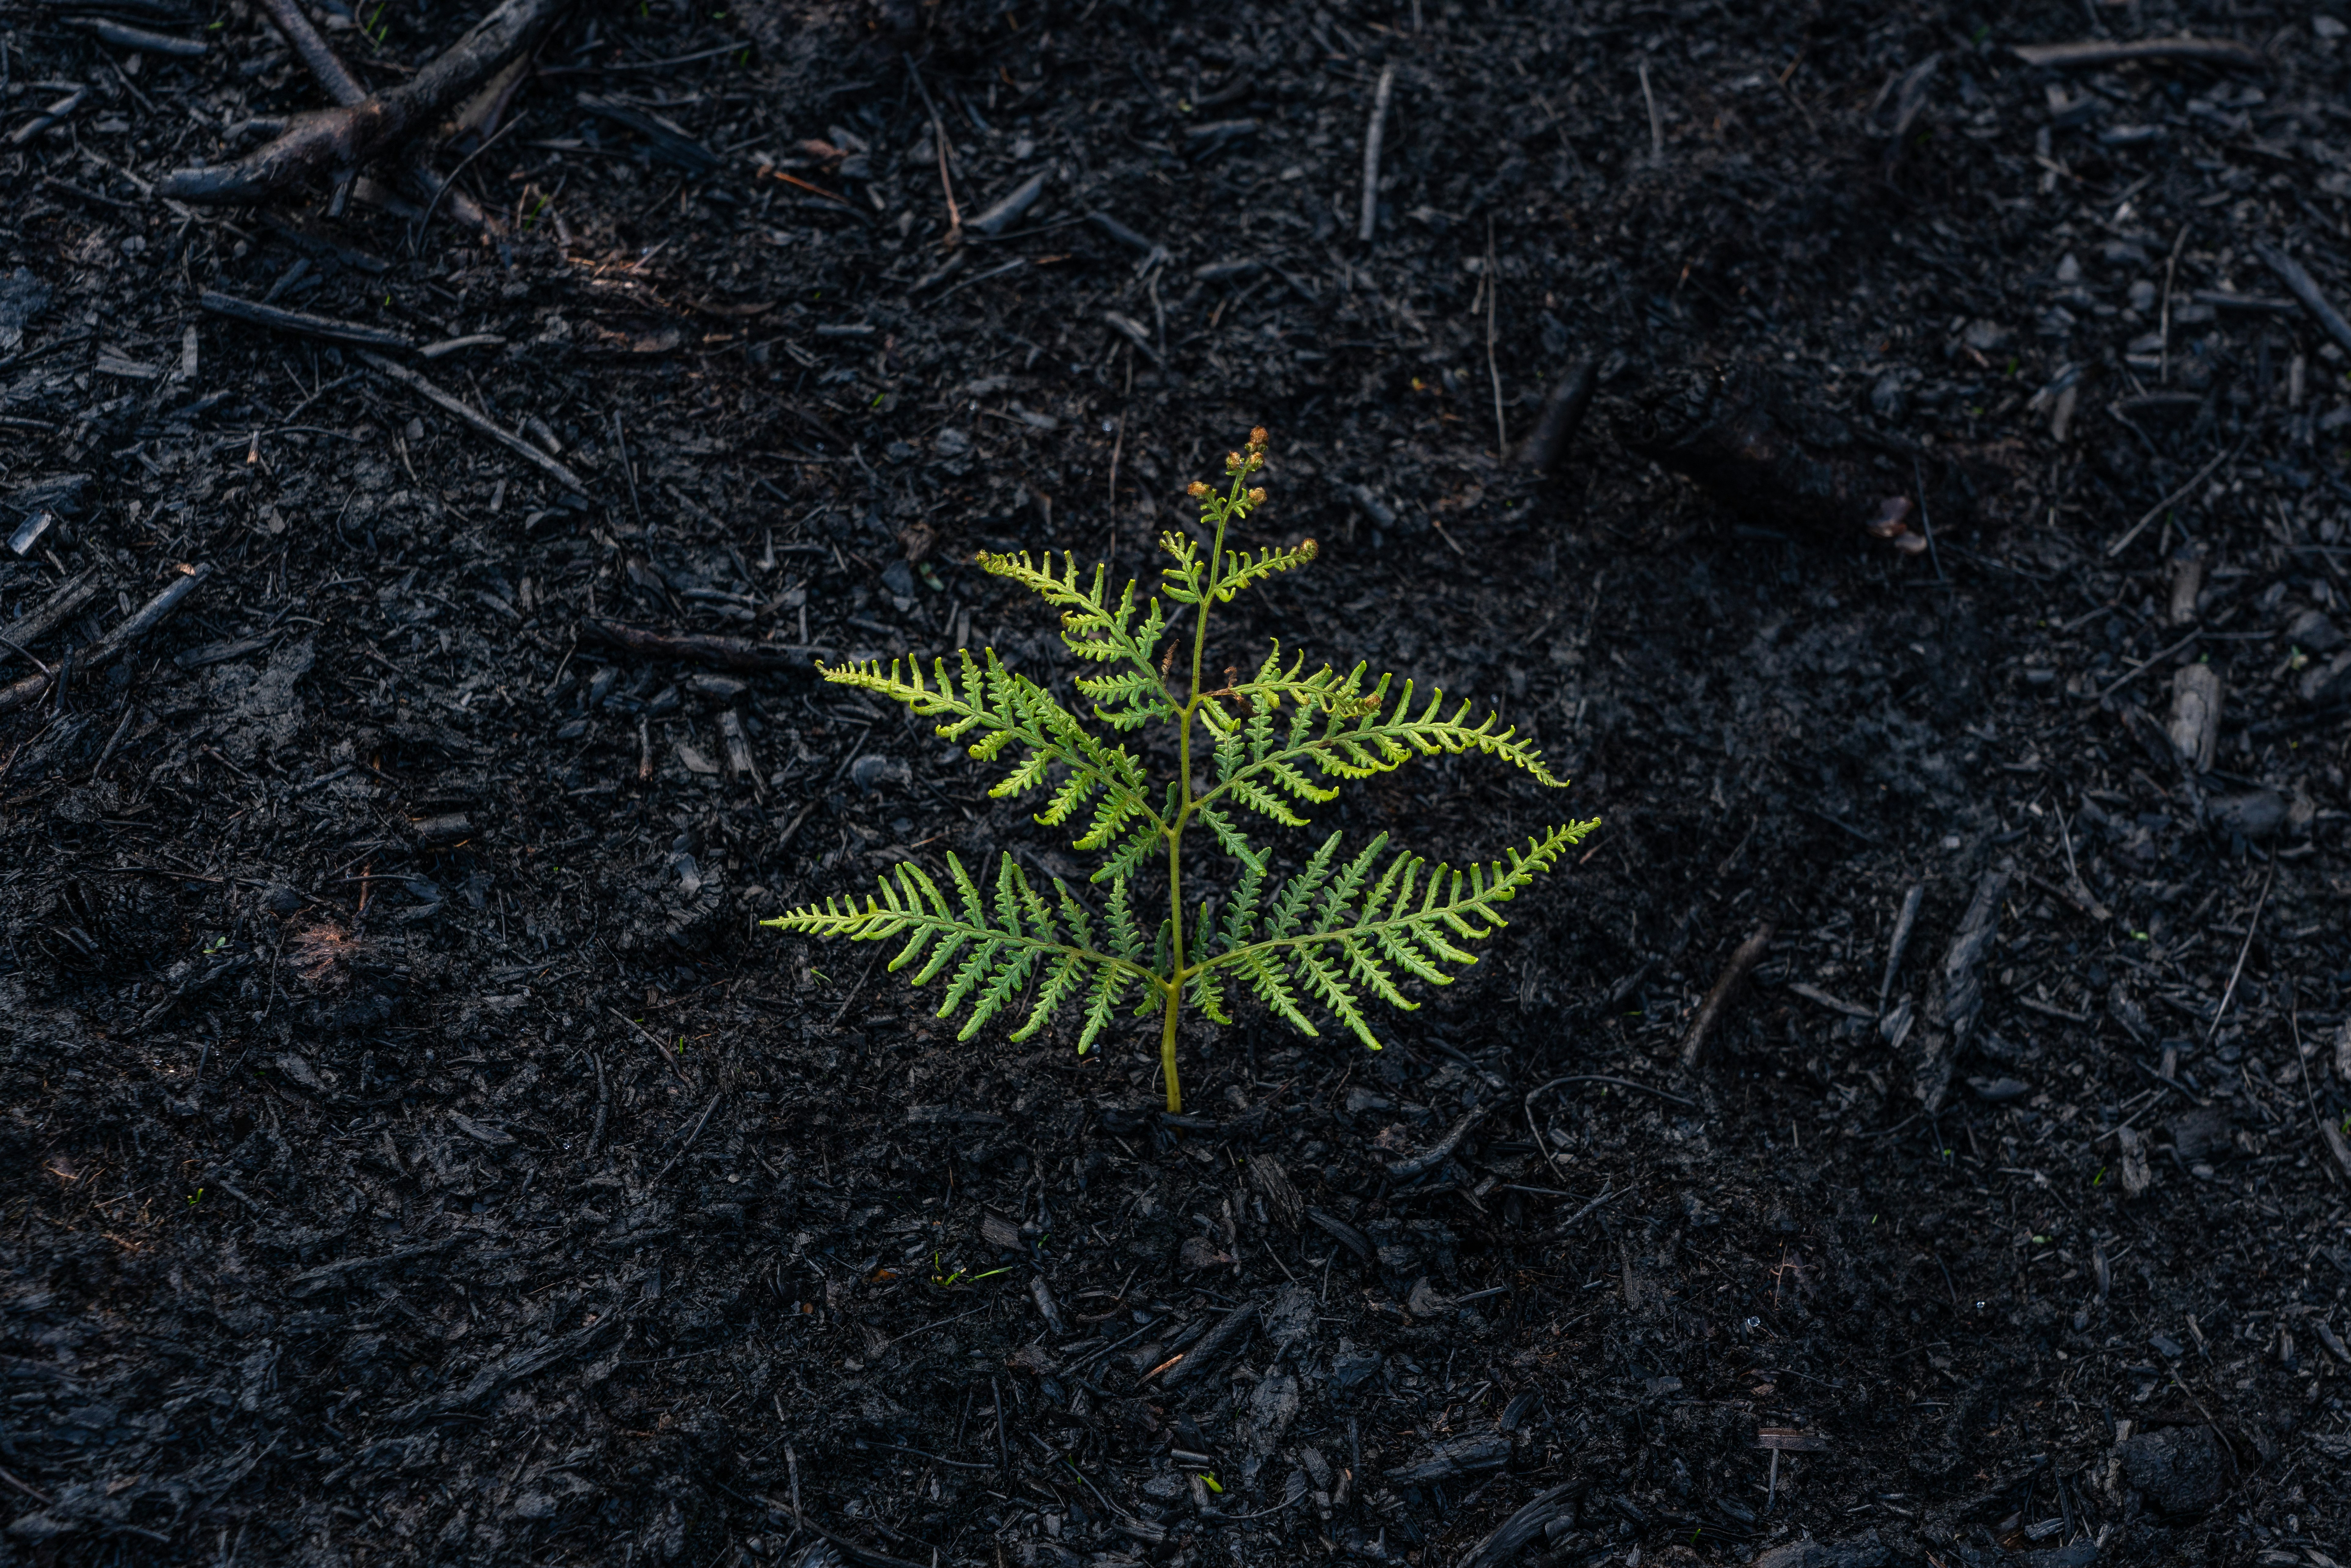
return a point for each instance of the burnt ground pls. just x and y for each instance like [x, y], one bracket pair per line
[415, 1152]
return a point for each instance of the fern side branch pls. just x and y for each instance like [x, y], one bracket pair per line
[1413, 918]
[1002, 939]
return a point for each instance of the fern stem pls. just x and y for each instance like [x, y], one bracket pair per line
[1167, 1050]
[1177, 971]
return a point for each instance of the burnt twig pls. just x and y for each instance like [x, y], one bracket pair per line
[1378, 131]
[347, 137]
[1710, 1012]
[2305, 288]
[59, 608]
[2238, 973]
[1563, 415]
[301, 322]
[1442, 1150]
[142, 621]
[1214, 1343]
[512, 443]
[698, 1124]
[2178, 496]
[1520, 1528]
[726, 653]
[1901, 940]
[2092, 53]
[317, 55]
[124, 36]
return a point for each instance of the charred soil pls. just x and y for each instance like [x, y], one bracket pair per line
[1911, 1133]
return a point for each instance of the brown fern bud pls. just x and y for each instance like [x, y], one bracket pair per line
[1256, 439]
[1196, 489]
[1233, 463]
[1307, 549]
[1256, 497]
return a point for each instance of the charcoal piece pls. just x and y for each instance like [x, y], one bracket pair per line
[1562, 416]
[1355, 1241]
[2196, 705]
[2253, 815]
[1458, 1456]
[1748, 441]
[446, 829]
[2312, 632]
[1863, 1551]
[2179, 1469]
[1283, 1205]
[23, 297]
[1227, 1335]
[2078, 1554]
[665, 140]
[2188, 585]
[2201, 1133]
[2325, 684]
[1009, 210]
[1957, 992]
[1540, 1512]
[1352, 1368]
[30, 510]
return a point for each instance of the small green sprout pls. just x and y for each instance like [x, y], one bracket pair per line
[1332, 937]
[945, 1280]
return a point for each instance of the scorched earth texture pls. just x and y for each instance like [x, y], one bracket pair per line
[415, 1153]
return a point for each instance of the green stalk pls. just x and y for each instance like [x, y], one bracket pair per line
[1178, 972]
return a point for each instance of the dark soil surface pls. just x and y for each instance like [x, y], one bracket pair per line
[414, 1152]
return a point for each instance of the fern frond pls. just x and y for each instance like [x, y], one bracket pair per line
[1127, 855]
[1206, 992]
[1185, 583]
[1094, 628]
[1011, 713]
[1126, 699]
[1232, 841]
[1267, 972]
[1108, 983]
[1298, 892]
[1241, 907]
[1405, 921]
[1337, 731]
[1125, 935]
[1001, 939]
[1239, 570]
[1060, 979]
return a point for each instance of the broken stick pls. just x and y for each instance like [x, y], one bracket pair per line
[1370, 216]
[143, 620]
[317, 55]
[1562, 416]
[727, 652]
[348, 137]
[514, 444]
[1710, 1012]
[2092, 53]
[59, 608]
[2305, 288]
[301, 322]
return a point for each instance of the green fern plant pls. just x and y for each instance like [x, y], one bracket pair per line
[1340, 931]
